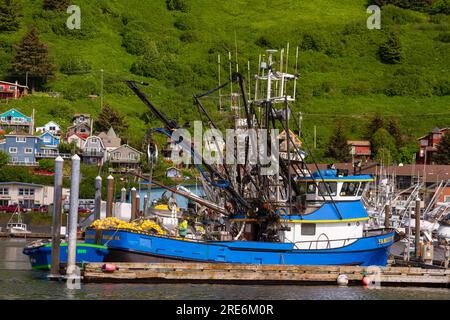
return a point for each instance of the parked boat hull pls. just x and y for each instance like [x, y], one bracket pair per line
[127, 246]
[41, 256]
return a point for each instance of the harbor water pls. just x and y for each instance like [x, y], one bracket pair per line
[18, 281]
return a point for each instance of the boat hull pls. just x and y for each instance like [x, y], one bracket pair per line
[127, 246]
[41, 256]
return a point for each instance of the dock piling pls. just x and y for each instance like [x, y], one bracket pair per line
[73, 216]
[417, 228]
[56, 223]
[123, 195]
[109, 195]
[387, 216]
[133, 204]
[98, 197]
[138, 206]
[144, 211]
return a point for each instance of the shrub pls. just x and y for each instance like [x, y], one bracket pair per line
[178, 5]
[395, 15]
[444, 37]
[150, 64]
[185, 23]
[390, 52]
[80, 89]
[189, 36]
[75, 65]
[134, 42]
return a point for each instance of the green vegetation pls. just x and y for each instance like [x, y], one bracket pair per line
[173, 45]
[442, 155]
[338, 148]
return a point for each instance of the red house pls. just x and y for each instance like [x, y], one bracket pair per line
[9, 90]
[360, 150]
[428, 145]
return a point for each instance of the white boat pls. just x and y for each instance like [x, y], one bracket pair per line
[17, 227]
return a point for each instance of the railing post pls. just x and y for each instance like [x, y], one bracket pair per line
[417, 229]
[109, 196]
[98, 197]
[133, 204]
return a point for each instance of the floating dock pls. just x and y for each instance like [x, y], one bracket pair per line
[265, 274]
[33, 235]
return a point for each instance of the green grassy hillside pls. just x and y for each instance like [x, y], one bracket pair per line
[342, 77]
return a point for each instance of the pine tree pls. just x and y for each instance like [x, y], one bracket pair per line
[377, 122]
[108, 118]
[442, 155]
[9, 15]
[393, 127]
[32, 56]
[390, 52]
[338, 148]
[58, 5]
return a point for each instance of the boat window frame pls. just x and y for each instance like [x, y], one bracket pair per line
[347, 184]
[323, 190]
[304, 231]
[362, 188]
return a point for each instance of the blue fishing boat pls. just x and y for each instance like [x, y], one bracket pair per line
[40, 254]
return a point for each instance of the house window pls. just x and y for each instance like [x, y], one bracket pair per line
[94, 140]
[4, 191]
[47, 139]
[308, 229]
[132, 156]
[28, 150]
[117, 155]
[26, 192]
[2, 88]
[12, 88]
[12, 150]
[52, 128]
[21, 139]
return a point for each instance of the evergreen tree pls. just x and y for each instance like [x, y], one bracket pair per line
[9, 15]
[383, 146]
[58, 5]
[108, 118]
[393, 127]
[4, 158]
[442, 155]
[338, 148]
[32, 56]
[377, 122]
[390, 52]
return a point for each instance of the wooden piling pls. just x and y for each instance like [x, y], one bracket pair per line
[417, 228]
[387, 216]
[109, 196]
[138, 206]
[144, 211]
[133, 204]
[123, 195]
[57, 209]
[98, 197]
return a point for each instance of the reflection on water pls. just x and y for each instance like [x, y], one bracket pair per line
[17, 281]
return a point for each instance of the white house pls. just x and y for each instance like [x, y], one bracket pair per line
[27, 194]
[94, 151]
[51, 126]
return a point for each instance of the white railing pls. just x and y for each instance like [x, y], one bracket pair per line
[52, 155]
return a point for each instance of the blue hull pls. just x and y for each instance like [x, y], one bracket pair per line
[136, 247]
[41, 257]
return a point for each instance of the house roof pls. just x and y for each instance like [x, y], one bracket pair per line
[13, 84]
[127, 147]
[22, 184]
[433, 173]
[82, 136]
[359, 143]
[15, 113]
[76, 115]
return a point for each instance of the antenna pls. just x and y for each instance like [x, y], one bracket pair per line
[296, 71]
[220, 90]
[236, 49]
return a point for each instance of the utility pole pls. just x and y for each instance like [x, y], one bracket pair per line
[101, 92]
[56, 223]
[315, 137]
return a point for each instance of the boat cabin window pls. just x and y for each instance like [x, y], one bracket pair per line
[327, 188]
[362, 188]
[349, 189]
[308, 229]
[311, 188]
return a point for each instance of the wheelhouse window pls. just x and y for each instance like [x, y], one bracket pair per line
[362, 188]
[327, 188]
[311, 189]
[308, 229]
[349, 189]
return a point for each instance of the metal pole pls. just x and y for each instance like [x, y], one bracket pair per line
[73, 214]
[123, 195]
[98, 197]
[109, 195]
[417, 213]
[138, 205]
[133, 204]
[56, 223]
[387, 216]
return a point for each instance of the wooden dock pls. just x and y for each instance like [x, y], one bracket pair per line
[33, 235]
[265, 274]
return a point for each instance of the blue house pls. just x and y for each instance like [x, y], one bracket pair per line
[21, 148]
[15, 120]
[48, 145]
